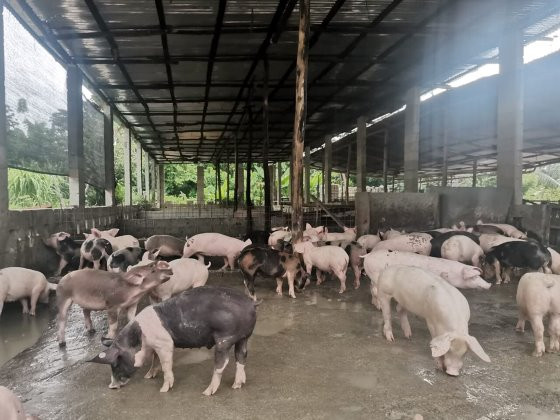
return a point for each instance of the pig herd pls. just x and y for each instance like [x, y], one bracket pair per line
[421, 271]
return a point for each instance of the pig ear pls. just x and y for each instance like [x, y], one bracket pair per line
[113, 232]
[307, 226]
[62, 236]
[478, 270]
[106, 357]
[96, 232]
[162, 265]
[440, 345]
[134, 277]
[476, 348]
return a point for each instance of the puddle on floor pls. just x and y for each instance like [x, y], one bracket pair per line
[19, 331]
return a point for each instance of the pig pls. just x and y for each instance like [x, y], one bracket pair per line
[349, 234]
[278, 235]
[66, 248]
[165, 245]
[314, 234]
[187, 273]
[368, 242]
[96, 290]
[463, 249]
[506, 229]
[412, 242]
[215, 244]
[269, 262]
[444, 308]
[11, 407]
[330, 259]
[95, 250]
[120, 260]
[217, 317]
[356, 252]
[257, 237]
[18, 283]
[117, 242]
[438, 241]
[554, 261]
[462, 227]
[390, 234]
[456, 273]
[490, 240]
[526, 255]
[538, 295]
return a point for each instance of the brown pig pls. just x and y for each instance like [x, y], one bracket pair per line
[96, 290]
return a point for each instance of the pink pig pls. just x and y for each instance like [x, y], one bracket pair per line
[463, 249]
[412, 242]
[215, 245]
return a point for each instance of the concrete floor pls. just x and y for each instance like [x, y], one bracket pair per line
[319, 356]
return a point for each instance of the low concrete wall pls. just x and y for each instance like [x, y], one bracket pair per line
[23, 231]
[535, 218]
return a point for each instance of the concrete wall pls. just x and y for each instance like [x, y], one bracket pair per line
[409, 211]
[535, 218]
[472, 204]
[22, 232]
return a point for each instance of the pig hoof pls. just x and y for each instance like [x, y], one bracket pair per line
[389, 336]
[62, 344]
[237, 385]
[91, 331]
[538, 353]
[293, 295]
[32, 313]
[209, 391]
[164, 388]
[356, 285]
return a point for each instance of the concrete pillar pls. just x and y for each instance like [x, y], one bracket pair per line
[411, 140]
[200, 184]
[240, 184]
[146, 162]
[361, 155]
[153, 178]
[385, 158]
[139, 189]
[75, 137]
[109, 148]
[474, 171]
[307, 176]
[161, 185]
[510, 114]
[445, 138]
[127, 171]
[4, 198]
[272, 177]
[328, 170]
[279, 181]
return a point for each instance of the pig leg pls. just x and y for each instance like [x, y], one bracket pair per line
[357, 274]
[221, 359]
[35, 293]
[405, 325]
[165, 355]
[342, 277]
[554, 332]
[146, 352]
[200, 258]
[131, 312]
[113, 318]
[498, 271]
[508, 272]
[385, 303]
[61, 266]
[373, 290]
[320, 277]
[520, 327]
[538, 331]
[82, 261]
[279, 282]
[154, 368]
[87, 321]
[240, 358]
[226, 263]
[231, 261]
[61, 320]
[291, 291]
[24, 305]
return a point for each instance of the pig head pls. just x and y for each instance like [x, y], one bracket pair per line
[449, 348]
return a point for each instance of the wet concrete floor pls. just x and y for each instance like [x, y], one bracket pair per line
[320, 356]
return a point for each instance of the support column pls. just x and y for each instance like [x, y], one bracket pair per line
[307, 175]
[4, 197]
[146, 175]
[236, 177]
[153, 178]
[279, 181]
[161, 189]
[227, 179]
[411, 139]
[300, 120]
[127, 169]
[219, 181]
[272, 179]
[75, 137]
[109, 154]
[139, 189]
[267, 193]
[241, 184]
[445, 138]
[385, 158]
[361, 152]
[510, 114]
[200, 184]
[347, 181]
[328, 170]
[474, 171]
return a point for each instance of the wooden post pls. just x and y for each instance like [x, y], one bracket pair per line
[4, 196]
[236, 177]
[219, 182]
[445, 135]
[474, 171]
[161, 191]
[279, 181]
[139, 189]
[200, 184]
[300, 119]
[267, 197]
[109, 156]
[75, 137]
[411, 140]
[385, 158]
[127, 171]
[347, 184]
[328, 170]
[248, 202]
[307, 175]
[227, 179]
[146, 162]
[361, 152]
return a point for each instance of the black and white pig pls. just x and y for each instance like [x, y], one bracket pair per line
[66, 248]
[119, 261]
[95, 250]
[97, 290]
[206, 316]
[269, 262]
[527, 255]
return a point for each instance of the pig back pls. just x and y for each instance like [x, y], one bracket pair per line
[197, 317]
